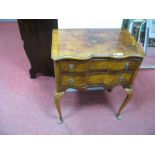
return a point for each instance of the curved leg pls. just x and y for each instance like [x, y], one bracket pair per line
[57, 98]
[125, 102]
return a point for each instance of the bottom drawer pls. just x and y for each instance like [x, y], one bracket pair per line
[95, 79]
[109, 79]
[73, 81]
[121, 78]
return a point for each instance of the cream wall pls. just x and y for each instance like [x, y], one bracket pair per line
[90, 23]
[83, 23]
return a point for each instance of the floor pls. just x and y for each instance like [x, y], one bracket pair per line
[27, 106]
[149, 61]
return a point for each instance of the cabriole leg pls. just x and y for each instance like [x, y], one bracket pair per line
[125, 102]
[57, 98]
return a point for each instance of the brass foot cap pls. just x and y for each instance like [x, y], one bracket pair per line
[59, 121]
[119, 117]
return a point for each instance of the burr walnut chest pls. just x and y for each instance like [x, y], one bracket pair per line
[86, 58]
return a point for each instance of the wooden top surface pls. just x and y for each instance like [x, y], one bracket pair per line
[83, 44]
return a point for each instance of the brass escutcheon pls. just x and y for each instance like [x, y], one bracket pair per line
[71, 81]
[121, 79]
[126, 65]
[71, 67]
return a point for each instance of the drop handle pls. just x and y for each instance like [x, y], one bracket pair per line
[126, 65]
[122, 79]
[71, 81]
[71, 67]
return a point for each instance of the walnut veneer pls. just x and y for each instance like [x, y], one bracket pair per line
[86, 58]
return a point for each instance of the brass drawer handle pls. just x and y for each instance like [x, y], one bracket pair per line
[126, 65]
[71, 81]
[122, 79]
[71, 67]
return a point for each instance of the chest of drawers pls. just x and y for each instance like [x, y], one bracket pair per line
[86, 58]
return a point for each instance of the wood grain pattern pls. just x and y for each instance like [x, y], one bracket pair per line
[107, 80]
[93, 65]
[85, 44]
[95, 58]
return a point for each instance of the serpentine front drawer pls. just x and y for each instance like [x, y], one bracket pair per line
[94, 57]
[74, 66]
[77, 81]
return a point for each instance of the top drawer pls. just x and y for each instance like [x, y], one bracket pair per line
[114, 65]
[99, 65]
[71, 66]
